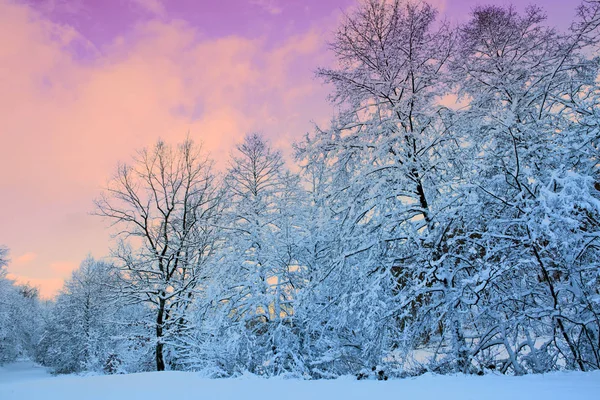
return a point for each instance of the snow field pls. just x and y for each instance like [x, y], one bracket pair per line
[189, 385]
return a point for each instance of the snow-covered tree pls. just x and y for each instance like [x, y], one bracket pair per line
[164, 205]
[532, 221]
[7, 298]
[20, 316]
[259, 270]
[88, 327]
[458, 233]
[418, 236]
[392, 163]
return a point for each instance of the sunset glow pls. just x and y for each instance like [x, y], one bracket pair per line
[85, 83]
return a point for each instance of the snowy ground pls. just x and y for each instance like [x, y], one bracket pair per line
[24, 381]
[21, 371]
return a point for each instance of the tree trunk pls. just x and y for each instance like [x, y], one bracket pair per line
[160, 362]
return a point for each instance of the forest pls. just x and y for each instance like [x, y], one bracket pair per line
[447, 220]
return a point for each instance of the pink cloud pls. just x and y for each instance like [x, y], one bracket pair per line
[24, 259]
[63, 268]
[67, 120]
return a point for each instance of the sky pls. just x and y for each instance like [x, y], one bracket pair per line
[85, 83]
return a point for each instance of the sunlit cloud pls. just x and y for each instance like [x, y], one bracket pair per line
[70, 119]
[63, 268]
[24, 259]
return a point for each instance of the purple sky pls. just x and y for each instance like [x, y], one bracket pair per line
[87, 82]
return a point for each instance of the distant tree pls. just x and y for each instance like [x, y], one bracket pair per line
[87, 326]
[20, 316]
[165, 206]
[7, 292]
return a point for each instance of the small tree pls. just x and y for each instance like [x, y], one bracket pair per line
[84, 321]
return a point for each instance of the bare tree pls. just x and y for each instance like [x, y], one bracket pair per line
[164, 205]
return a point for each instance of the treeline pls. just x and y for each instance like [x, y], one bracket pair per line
[448, 220]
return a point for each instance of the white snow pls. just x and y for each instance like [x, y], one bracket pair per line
[21, 371]
[23, 384]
